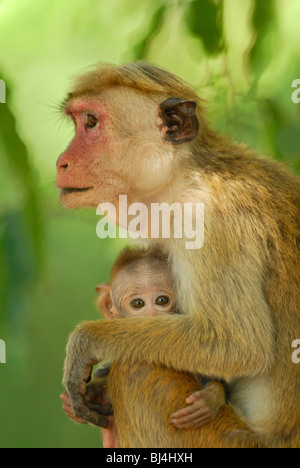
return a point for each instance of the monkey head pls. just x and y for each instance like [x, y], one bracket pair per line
[129, 123]
[140, 285]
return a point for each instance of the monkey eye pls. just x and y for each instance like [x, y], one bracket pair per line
[162, 300]
[137, 303]
[91, 121]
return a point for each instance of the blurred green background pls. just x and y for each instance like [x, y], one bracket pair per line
[242, 56]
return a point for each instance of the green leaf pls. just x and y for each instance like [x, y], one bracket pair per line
[274, 119]
[264, 20]
[21, 230]
[204, 19]
[156, 23]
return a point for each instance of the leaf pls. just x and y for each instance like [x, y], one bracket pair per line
[20, 228]
[274, 118]
[15, 148]
[156, 23]
[19, 162]
[204, 19]
[263, 20]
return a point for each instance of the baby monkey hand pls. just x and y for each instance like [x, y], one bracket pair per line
[203, 407]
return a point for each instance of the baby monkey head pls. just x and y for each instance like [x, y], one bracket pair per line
[140, 285]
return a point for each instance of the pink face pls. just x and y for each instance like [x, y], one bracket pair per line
[124, 145]
[82, 170]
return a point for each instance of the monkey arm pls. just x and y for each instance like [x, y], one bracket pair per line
[163, 340]
[226, 331]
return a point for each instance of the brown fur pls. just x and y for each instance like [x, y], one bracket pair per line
[130, 256]
[144, 421]
[139, 76]
[239, 295]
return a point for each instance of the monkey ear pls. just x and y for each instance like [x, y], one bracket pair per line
[105, 301]
[180, 124]
[102, 288]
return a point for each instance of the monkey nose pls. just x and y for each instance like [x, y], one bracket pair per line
[62, 164]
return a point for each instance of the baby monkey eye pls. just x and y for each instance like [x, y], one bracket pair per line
[91, 121]
[162, 300]
[137, 303]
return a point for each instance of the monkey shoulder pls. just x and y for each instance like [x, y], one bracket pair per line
[246, 183]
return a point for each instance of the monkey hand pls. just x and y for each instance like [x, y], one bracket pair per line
[77, 373]
[96, 397]
[93, 396]
[204, 406]
[68, 409]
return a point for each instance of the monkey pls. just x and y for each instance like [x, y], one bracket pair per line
[141, 132]
[141, 285]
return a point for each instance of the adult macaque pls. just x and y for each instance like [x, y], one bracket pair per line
[141, 132]
[141, 285]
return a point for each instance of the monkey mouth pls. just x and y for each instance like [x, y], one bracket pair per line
[67, 191]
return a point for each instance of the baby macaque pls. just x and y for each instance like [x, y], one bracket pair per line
[141, 285]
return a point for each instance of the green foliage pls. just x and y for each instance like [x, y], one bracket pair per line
[264, 22]
[156, 23]
[204, 19]
[21, 227]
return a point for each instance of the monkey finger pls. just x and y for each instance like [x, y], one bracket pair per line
[75, 419]
[92, 392]
[187, 417]
[189, 410]
[71, 415]
[104, 410]
[65, 397]
[67, 408]
[190, 400]
[69, 412]
[194, 397]
[91, 417]
[198, 422]
[83, 412]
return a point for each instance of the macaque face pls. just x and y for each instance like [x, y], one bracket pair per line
[142, 290]
[117, 149]
[82, 168]
[124, 144]
[150, 295]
